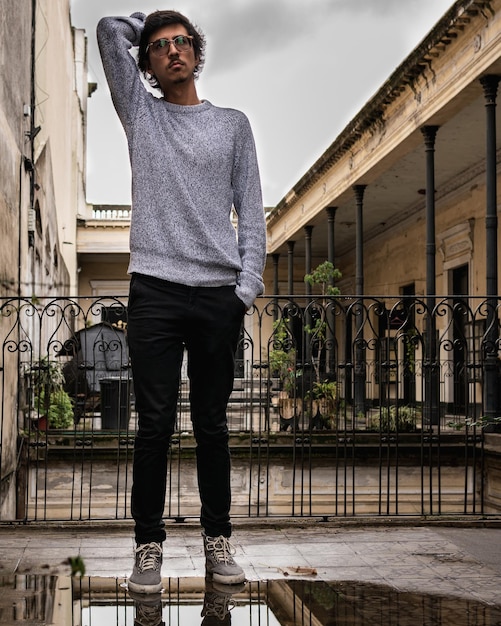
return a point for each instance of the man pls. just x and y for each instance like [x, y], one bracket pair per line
[193, 276]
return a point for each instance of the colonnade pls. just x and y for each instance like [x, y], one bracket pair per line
[491, 344]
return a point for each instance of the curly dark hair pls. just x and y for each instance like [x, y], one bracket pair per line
[155, 21]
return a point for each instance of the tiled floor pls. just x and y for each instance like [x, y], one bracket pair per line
[463, 561]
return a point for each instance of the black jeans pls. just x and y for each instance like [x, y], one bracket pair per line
[163, 319]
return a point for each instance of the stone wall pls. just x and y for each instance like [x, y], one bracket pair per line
[290, 479]
[492, 473]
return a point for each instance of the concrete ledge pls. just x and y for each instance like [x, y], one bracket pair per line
[275, 523]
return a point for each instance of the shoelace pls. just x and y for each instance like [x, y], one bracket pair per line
[221, 548]
[149, 556]
[217, 605]
[151, 614]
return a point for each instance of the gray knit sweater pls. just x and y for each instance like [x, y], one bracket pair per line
[190, 165]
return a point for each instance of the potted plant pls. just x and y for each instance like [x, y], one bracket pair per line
[282, 364]
[324, 399]
[52, 404]
[282, 357]
[57, 412]
[323, 394]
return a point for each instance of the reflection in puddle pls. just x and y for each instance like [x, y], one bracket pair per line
[93, 601]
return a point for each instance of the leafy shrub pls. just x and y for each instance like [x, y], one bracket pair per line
[60, 408]
[393, 418]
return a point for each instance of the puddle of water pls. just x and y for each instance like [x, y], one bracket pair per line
[94, 601]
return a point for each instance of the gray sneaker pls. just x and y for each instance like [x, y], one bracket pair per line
[146, 575]
[218, 602]
[219, 561]
[147, 609]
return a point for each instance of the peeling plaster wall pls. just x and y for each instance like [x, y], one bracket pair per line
[15, 34]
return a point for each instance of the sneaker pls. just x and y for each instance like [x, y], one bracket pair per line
[147, 609]
[146, 577]
[218, 603]
[219, 561]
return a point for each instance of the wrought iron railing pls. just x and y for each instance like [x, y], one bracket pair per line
[341, 406]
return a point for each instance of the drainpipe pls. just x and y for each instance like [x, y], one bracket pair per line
[307, 256]
[28, 163]
[308, 290]
[32, 131]
[275, 257]
[331, 320]
[20, 229]
[289, 306]
[431, 371]
[490, 350]
[30, 135]
[359, 369]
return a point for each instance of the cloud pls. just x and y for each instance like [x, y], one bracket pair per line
[300, 69]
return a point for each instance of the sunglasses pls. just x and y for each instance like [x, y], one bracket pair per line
[161, 47]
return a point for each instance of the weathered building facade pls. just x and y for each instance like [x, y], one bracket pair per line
[15, 97]
[404, 201]
[43, 95]
[43, 100]
[438, 94]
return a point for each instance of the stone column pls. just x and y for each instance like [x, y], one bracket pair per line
[490, 351]
[359, 349]
[331, 320]
[276, 258]
[431, 361]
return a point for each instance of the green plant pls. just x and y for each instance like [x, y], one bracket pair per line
[410, 339]
[49, 397]
[46, 374]
[393, 418]
[58, 409]
[323, 275]
[325, 389]
[480, 422]
[77, 565]
[282, 358]
[324, 399]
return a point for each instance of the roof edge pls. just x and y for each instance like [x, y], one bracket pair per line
[406, 73]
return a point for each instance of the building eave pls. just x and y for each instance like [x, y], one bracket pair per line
[419, 61]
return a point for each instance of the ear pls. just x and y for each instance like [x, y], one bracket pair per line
[151, 78]
[149, 72]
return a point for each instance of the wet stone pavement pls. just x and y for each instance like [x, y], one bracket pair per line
[311, 573]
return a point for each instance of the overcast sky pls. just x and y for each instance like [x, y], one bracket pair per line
[299, 69]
